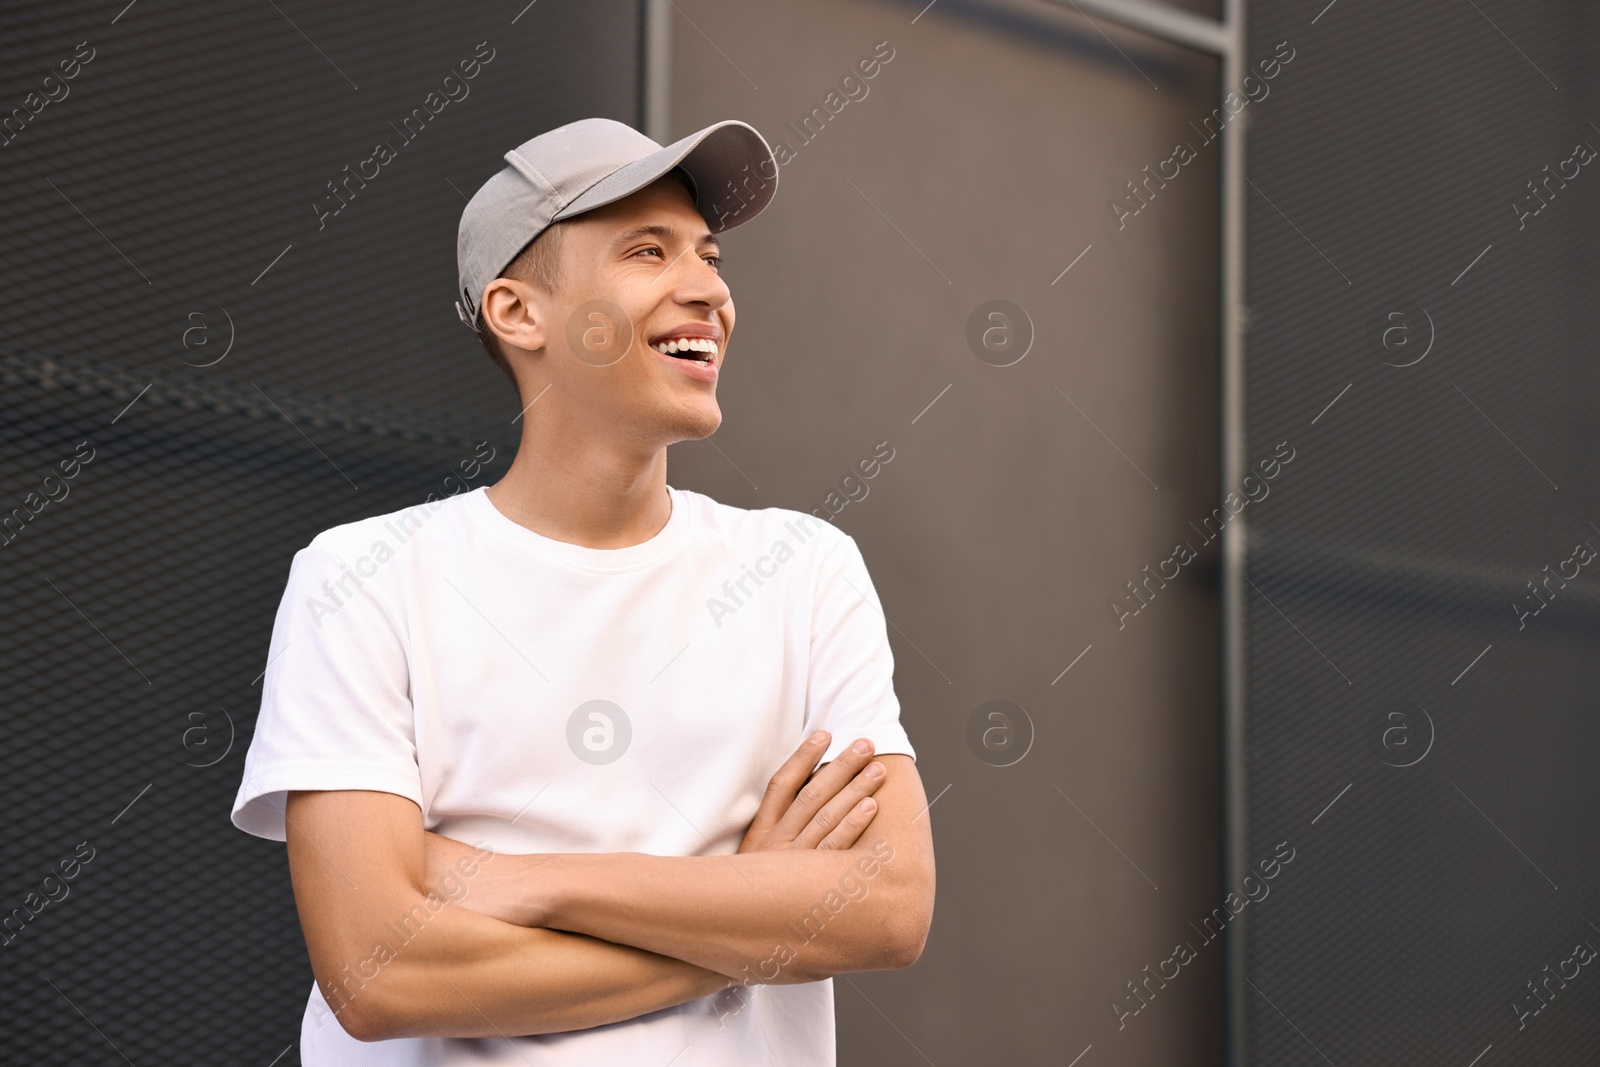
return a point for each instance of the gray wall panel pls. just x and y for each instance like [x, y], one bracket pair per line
[979, 166]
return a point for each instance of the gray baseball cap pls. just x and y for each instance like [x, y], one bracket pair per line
[593, 162]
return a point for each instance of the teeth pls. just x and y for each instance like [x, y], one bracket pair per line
[686, 344]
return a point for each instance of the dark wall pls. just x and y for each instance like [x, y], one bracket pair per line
[1390, 172]
[142, 212]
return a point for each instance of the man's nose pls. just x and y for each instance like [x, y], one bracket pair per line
[694, 281]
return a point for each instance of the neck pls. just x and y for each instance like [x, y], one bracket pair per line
[570, 483]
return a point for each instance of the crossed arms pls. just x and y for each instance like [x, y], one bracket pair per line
[412, 934]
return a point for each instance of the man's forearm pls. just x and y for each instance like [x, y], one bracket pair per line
[779, 917]
[406, 953]
[462, 974]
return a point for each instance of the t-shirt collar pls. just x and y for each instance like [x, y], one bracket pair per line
[663, 545]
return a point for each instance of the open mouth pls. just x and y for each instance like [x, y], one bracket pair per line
[701, 349]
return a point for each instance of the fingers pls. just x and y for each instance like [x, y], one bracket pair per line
[851, 827]
[823, 787]
[843, 818]
[787, 781]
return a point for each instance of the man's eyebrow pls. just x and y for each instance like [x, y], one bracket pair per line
[656, 229]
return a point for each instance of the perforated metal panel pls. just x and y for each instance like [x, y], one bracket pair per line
[154, 482]
[1426, 749]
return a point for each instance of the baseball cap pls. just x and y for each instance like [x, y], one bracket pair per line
[593, 162]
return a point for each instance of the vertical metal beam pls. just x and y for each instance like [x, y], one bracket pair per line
[656, 75]
[1234, 464]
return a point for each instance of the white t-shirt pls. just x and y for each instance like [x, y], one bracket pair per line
[540, 696]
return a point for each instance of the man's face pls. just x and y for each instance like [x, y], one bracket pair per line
[639, 275]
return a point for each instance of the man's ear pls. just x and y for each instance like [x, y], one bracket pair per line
[516, 313]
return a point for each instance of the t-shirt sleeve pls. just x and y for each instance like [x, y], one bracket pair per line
[850, 690]
[336, 699]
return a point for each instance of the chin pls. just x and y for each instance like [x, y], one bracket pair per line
[698, 425]
[705, 428]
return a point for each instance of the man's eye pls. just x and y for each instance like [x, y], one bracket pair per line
[642, 251]
[715, 261]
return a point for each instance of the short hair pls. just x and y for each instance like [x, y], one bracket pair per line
[538, 263]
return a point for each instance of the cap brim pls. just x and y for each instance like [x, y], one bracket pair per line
[727, 152]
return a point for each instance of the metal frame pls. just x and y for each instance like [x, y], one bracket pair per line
[1226, 40]
[1170, 23]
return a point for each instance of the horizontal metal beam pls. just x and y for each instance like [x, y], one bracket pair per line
[1164, 21]
[1343, 576]
[174, 399]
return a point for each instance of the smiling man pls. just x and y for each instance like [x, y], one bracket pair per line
[541, 805]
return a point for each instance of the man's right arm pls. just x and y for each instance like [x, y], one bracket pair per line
[395, 961]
